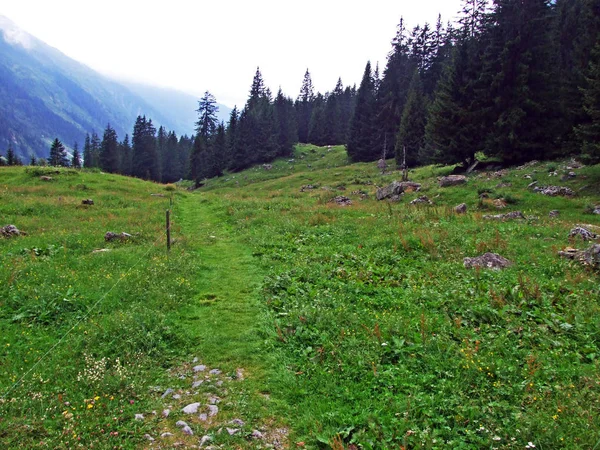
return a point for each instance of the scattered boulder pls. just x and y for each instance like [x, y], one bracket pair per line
[503, 185]
[45, 178]
[396, 189]
[257, 435]
[199, 368]
[528, 165]
[308, 187]
[87, 201]
[232, 431]
[452, 180]
[110, 236]
[508, 216]
[341, 200]
[589, 257]
[461, 209]
[9, 231]
[422, 200]
[205, 440]
[212, 410]
[382, 165]
[192, 408]
[139, 417]
[554, 213]
[596, 210]
[583, 233]
[499, 203]
[238, 422]
[167, 392]
[148, 437]
[554, 191]
[487, 261]
[530, 185]
[267, 166]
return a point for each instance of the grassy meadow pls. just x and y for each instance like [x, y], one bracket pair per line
[333, 327]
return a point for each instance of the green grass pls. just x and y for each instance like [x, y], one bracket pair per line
[355, 326]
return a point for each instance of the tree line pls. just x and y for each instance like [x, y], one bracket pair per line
[514, 79]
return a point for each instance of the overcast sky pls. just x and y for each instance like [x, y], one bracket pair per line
[194, 45]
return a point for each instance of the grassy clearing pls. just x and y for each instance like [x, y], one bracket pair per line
[356, 327]
[387, 341]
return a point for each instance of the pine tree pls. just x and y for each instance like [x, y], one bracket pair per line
[411, 135]
[304, 106]
[285, 124]
[95, 147]
[362, 130]
[58, 154]
[145, 157]
[232, 136]
[589, 131]
[10, 157]
[317, 131]
[87, 152]
[76, 159]
[109, 151]
[126, 159]
[207, 115]
[33, 161]
[521, 67]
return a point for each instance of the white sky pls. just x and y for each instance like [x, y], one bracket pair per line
[195, 45]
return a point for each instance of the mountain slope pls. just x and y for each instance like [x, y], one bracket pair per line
[45, 94]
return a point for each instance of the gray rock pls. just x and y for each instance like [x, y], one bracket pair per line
[167, 392]
[181, 424]
[422, 200]
[508, 216]
[10, 231]
[176, 396]
[215, 372]
[200, 368]
[341, 200]
[166, 413]
[530, 185]
[110, 236]
[237, 422]
[166, 434]
[257, 435]
[554, 191]
[187, 430]
[195, 360]
[232, 431]
[219, 383]
[395, 189]
[213, 400]
[596, 210]
[192, 408]
[139, 417]
[583, 233]
[149, 438]
[87, 201]
[487, 261]
[589, 257]
[203, 417]
[308, 187]
[461, 209]
[197, 383]
[452, 180]
[205, 440]
[212, 410]
[554, 213]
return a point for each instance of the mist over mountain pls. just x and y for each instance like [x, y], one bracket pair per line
[44, 94]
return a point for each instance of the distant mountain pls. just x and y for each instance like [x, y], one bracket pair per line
[45, 94]
[180, 106]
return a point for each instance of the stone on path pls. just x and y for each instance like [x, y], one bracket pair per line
[487, 261]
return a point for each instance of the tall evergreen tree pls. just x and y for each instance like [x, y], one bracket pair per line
[363, 132]
[285, 124]
[76, 159]
[207, 116]
[126, 160]
[304, 106]
[11, 158]
[58, 154]
[95, 147]
[109, 151]
[145, 155]
[411, 135]
[87, 152]
[589, 131]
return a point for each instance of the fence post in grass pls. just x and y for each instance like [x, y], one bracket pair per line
[168, 230]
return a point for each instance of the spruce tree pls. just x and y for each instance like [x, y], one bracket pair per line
[87, 152]
[589, 131]
[10, 157]
[126, 159]
[285, 124]
[109, 151]
[145, 157]
[207, 115]
[362, 127]
[411, 135]
[95, 147]
[76, 159]
[33, 161]
[304, 106]
[58, 154]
